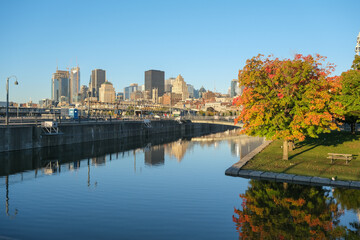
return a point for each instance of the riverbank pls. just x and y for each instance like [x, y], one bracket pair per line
[309, 158]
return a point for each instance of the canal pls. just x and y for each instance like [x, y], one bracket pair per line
[163, 188]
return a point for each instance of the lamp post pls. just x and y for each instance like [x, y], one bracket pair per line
[89, 104]
[7, 97]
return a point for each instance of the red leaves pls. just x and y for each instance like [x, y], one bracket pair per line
[302, 81]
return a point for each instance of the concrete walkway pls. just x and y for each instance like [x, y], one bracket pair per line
[236, 171]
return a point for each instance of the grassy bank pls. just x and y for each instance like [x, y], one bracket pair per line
[310, 157]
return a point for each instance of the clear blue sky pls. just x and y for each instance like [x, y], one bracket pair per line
[207, 42]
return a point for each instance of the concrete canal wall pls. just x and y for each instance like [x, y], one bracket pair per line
[20, 137]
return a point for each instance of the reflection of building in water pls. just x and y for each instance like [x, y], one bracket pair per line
[177, 149]
[155, 156]
[74, 165]
[52, 167]
[235, 150]
[98, 161]
[244, 145]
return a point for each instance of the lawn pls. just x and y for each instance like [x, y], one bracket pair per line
[309, 158]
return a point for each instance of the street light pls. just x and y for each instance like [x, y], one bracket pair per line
[7, 97]
[89, 104]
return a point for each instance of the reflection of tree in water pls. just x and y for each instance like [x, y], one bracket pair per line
[287, 211]
[349, 199]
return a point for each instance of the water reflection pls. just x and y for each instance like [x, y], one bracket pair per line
[20, 166]
[155, 155]
[56, 159]
[243, 145]
[272, 210]
[178, 149]
[53, 160]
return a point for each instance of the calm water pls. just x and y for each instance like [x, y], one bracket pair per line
[165, 188]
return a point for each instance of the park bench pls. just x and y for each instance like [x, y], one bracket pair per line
[341, 156]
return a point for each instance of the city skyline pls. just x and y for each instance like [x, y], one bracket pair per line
[207, 42]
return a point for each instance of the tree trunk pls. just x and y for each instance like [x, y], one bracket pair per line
[285, 150]
[291, 145]
[353, 127]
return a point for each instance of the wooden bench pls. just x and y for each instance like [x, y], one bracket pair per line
[341, 156]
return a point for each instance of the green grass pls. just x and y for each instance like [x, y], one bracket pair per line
[309, 158]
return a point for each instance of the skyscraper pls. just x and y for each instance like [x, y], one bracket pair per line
[155, 79]
[357, 48]
[74, 84]
[83, 93]
[234, 89]
[60, 85]
[179, 86]
[168, 84]
[98, 77]
[191, 90]
[128, 90]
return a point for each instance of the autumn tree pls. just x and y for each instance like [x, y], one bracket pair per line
[287, 99]
[350, 94]
[356, 63]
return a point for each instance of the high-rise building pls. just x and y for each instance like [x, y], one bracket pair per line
[155, 95]
[60, 86]
[98, 77]
[180, 87]
[141, 88]
[128, 90]
[155, 79]
[234, 88]
[84, 92]
[196, 93]
[357, 48]
[191, 90]
[168, 84]
[107, 92]
[74, 84]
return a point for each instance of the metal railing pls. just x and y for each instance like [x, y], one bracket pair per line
[60, 120]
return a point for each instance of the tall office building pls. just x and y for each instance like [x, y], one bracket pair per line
[168, 84]
[234, 88]
[83, 93]
[98, 77]
[128, 90]
[74, 84]
[155, 79]
[107, 92]
[60, 86]
[191, 90]
[357, 48]
[179, 86]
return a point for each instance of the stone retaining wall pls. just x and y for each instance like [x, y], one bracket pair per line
[20, 137]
